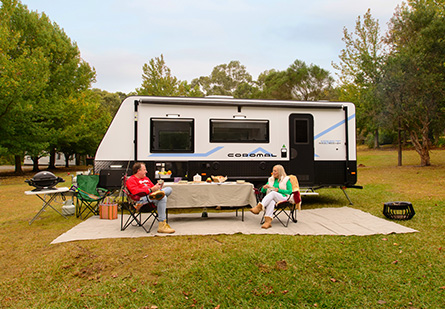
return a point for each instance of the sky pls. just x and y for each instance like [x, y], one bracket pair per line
[118, 37]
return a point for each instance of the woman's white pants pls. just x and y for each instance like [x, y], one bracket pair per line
[269, 202]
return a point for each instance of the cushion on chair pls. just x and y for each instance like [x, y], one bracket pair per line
[295, 198]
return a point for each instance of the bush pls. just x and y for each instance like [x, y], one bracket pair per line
[7, 160]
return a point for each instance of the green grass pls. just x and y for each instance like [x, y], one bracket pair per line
[237, 271]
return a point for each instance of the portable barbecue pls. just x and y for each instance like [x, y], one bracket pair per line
[44, 181]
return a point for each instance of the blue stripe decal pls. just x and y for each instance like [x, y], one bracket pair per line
[330, 129]
[260, 149]
[187, 154]
[333, 127]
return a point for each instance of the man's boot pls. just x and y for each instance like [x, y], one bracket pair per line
[267, 223]
[256, 210]
[163, 227]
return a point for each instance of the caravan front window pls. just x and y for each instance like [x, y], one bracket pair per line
[172, 135]
[239, 131]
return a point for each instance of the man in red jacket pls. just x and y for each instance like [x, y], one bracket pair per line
[139, 184]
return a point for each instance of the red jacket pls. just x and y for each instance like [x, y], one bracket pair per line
[137, 186]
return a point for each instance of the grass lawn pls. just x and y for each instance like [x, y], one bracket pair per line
[237, 271]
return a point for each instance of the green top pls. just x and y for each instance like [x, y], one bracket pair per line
[276, 184]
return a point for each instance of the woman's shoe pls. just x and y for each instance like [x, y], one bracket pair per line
[256, 210]
[267, 223]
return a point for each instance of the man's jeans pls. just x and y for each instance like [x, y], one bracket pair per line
[161, 204]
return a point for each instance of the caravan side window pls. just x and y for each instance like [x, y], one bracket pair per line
[239, 131]
[172, 135]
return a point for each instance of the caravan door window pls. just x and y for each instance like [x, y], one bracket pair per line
[172, 135]
[239, 131]
[301, 131]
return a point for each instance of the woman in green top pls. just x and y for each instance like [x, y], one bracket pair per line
[277, 189]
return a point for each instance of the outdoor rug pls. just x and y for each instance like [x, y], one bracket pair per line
[322, 221]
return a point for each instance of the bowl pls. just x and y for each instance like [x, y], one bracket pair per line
[219, 179]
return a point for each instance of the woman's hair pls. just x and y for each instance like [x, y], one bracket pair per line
[281, 171]
[137, 166]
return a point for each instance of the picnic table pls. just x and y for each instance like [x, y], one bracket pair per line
[203, 195]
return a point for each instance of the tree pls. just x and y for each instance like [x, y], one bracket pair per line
[415, 74]
[23, 71]
[224, 80]
[309, 83]
[274, 85]
[157, 80]
[82, 133]
[298, 82]
[360, 72]
[53, 75]
[110, 101]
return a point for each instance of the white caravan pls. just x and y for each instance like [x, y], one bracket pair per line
[237, 138]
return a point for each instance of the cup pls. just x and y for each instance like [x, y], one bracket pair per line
[161, 182]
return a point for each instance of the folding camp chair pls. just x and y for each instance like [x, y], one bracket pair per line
[88, 195]
[289, 206]
[129, 204]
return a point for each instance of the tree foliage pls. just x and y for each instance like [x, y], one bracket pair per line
[23, 72]
[309, 83]
[157, 80]
[230, 79]
[360, 71]
[414, 84]
[43, 84]
[298, 82]
[398, 82]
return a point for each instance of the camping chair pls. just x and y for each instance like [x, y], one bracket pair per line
[88, 195]
[129, 204]
[288, 207]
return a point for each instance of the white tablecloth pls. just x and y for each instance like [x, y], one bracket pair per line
[228, 194]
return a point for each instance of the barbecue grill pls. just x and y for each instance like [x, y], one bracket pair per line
[44, 181]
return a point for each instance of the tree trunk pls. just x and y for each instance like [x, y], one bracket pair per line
[67, 159]
[422, 147]
[399, 142]
[425, 159]
[376, 139]
[35, 164]
[399, 150]
[52, 159]
[18, 165]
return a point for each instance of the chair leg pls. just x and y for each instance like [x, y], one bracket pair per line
[291, 215]
[136, 217]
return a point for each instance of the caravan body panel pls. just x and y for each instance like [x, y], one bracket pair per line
[239, 138]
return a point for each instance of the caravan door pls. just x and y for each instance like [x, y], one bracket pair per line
[301, 135]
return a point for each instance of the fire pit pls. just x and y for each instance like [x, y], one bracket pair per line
[44, 181]
[398, 210]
